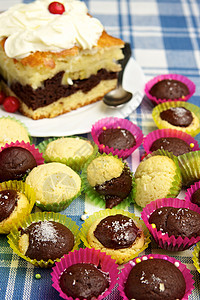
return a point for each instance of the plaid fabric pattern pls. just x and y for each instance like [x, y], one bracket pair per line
[165, 38]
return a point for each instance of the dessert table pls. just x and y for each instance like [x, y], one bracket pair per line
[165, 38]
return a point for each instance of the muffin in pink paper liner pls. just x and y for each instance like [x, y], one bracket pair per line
[193, 193]
[80, 259]
[183, 225]
[116, 135]
[175, 141]
[17, 160]
[196, 256]
[179, 115]
[169, 87]
[164, 278]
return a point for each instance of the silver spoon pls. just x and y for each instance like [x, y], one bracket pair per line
[120, 96]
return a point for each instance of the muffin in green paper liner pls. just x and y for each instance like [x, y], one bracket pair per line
[49, 241]
[196, 257]
[10, 214]
[13, 130]
[190, 167]
[157, 176]
[72, 151]
[121, 246]
[56, 185]
[108, 181]
[186, 116]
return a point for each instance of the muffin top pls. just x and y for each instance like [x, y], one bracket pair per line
[155, 279]
[177, 116]
[83, 281]
[8, 202]
[171, 144]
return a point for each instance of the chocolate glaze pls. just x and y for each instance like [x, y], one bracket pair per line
[83, 281]
[176, 221]
[48, 240]
[177, 116]
[15, 163]
[169, 89]
[116, 189]
[196, 197]
[118, 138]
[172, 144]
[155, 279]
[116, 232]
[8, 201]
[53, 89]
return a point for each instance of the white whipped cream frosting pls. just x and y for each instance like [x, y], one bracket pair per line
[31, 27]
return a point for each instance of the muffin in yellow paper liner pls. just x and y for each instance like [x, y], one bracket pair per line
[24, 207]
[122, 255]
[14, 236]
[60, 149]
[196, 257]
[96, 197]
[193, 129]
[13, 130]
[190, 167]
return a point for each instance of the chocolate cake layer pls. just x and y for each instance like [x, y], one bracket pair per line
[172, 144]
[116, 232]
[177, 116]
[8, 201]
[53, 89]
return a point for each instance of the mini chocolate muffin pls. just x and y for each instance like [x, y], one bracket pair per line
[169, 89]
[196, 197]
[46, 240]
[83, 281]
[155, 279]
[118, 138]
[15, 163]
[177, 116]
[176, 221]
[117, 232]
[171, 144]
[8, 202]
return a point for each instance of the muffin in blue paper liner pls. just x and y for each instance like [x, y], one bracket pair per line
[49, 241]
[90, 284]
[108, 181]
[72, 151]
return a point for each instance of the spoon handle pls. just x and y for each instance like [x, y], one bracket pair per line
[127, 54]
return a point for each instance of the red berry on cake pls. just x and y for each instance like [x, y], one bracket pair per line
[2, 97]
[11, 104]
[56, 8]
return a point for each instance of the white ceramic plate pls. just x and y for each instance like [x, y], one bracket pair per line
[81, 120]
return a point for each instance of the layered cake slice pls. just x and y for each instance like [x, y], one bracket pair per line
[53, 61]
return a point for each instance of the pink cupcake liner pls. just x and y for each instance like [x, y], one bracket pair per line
[114, 122]
[34, 151]
[190, 191]
[183, 79]
[165, 241]
[86, 255]
[168, 132]
[186, 273]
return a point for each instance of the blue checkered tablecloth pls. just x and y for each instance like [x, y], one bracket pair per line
[165, 38]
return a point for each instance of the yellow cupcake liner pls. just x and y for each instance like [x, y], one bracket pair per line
[195, 256]
[190, 167]
[108, 212]
[98, 199]
[13, 237]
[76, 163]
[166, 105]
[25, 189]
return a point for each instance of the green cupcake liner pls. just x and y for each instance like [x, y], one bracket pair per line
[166, 105]
[98, 199]
[190, 167]
[13, 237]
[195, 256]
[25, 189]
[22, 124]
[76, 163]
[108, 212]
